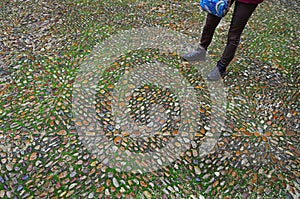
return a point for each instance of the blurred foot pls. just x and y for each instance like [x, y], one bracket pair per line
[197, 55]
[216, 73]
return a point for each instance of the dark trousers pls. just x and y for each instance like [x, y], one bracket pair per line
[241, 15]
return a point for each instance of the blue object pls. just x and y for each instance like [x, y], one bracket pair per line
[25, 177]
[19, 188]
[215, 7]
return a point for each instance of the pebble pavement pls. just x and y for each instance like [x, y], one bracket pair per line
[42, 44]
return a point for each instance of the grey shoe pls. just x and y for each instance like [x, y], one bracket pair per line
[216, 74]
[197, 55]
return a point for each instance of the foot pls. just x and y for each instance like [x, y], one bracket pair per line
[197, 55]
[216, 74]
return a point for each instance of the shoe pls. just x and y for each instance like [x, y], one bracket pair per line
[197, 55]
[216, 73]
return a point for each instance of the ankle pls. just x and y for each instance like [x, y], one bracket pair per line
[222, 67]
[201, 48]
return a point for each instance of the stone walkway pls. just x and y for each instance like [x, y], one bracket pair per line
[78, 120]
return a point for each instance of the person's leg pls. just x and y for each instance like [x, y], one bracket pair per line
[209, 28]
[242, 13]
[199, 54]
[208, 31]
